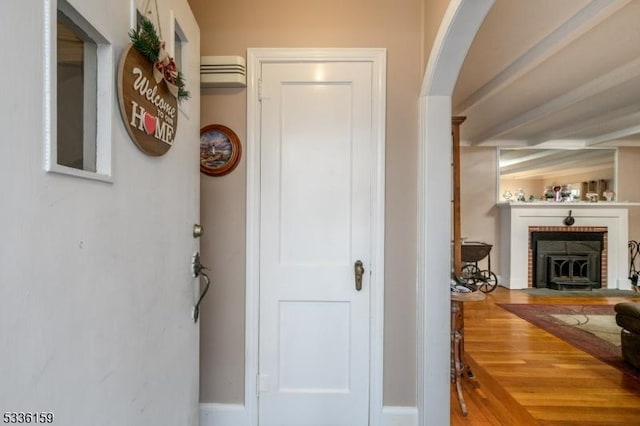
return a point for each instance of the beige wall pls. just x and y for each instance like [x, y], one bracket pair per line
[480, 217]
[628, 187]
[229, 28]
[478, 212]
[433, 13]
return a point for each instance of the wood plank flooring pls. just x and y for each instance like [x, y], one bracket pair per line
[527, 376]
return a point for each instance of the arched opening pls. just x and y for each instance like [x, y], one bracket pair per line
[457, 30]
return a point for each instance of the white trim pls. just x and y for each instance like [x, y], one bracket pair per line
[252, 299]
[175, 29]
[50, 75]
[255, 59]
[434, 263]
[236, 414]
[223, 415]
[399, 416]
[458, 28]
[103, 96]
[461, 20]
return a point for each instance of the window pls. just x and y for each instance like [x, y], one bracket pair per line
[76, 88]
[78, 96]
[177, 45]
[179, 54]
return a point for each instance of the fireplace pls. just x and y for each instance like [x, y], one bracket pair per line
[568, 260]
[514, 258]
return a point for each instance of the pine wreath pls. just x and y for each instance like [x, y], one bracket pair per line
[147, 42]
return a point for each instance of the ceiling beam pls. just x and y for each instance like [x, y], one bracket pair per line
[601, 84]
[580, 23]
[618, 134]
[629, 113]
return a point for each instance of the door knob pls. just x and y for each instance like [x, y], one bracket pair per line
[359, 271]
[198, 230]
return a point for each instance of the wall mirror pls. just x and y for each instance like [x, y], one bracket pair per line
[528, 173]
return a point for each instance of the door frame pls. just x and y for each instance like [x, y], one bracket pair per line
[458, 27]
[255, 58]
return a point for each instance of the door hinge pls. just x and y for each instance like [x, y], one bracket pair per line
[262, 385]
[260, 90]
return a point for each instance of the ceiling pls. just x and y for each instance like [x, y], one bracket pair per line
[549, 73]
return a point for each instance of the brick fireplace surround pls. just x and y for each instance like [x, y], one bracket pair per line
[603, 254]
[518, 219]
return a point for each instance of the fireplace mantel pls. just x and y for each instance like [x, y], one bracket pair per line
[517, 217]
[562, 205]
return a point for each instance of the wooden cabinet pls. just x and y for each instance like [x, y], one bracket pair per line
[457, 239]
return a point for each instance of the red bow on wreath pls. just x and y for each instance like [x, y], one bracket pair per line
[166, 68]
[148, 43]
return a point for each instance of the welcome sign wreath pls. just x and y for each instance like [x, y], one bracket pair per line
[149, 88]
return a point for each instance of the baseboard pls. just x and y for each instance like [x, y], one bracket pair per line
[223, 415]
[236, 415]
[399, 416]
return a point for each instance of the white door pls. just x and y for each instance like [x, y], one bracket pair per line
[95, 276]
[316, 159]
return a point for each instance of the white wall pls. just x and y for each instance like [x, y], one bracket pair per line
[95, 278]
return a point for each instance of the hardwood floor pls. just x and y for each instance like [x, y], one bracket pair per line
[527, 376]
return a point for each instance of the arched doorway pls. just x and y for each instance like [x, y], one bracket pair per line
[457, 30]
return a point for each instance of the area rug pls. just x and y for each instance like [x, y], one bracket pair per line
[598, 292]
[590, 328]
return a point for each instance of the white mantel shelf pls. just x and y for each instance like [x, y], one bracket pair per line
[562, 205]
[517, 217]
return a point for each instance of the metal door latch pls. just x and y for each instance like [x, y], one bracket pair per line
[197, 269]
[359, 272]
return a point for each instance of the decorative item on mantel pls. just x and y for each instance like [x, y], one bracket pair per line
[592, 197]
[558, 193]
[507, 195]
[569, 220]
[598, 187]
[548, 193]
[608, 195]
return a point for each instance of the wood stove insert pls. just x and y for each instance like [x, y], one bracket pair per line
[567, 260]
